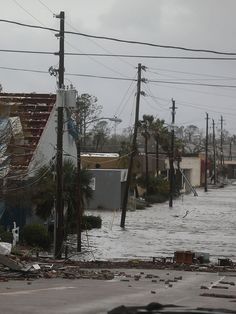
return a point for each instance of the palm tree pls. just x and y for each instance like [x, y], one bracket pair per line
[145, 127]
[158, 131]
[44, 191]
[165, 142]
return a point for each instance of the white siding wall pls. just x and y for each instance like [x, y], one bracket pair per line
[46, 148]
[194, 165]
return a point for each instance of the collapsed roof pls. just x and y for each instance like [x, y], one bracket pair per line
[23, 118]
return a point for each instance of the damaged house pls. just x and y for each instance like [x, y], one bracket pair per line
[28, 141]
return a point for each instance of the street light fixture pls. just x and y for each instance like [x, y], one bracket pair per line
[114, 119]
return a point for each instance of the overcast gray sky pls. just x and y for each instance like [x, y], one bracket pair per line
[204, 24]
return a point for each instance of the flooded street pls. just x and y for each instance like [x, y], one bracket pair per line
[208, 226]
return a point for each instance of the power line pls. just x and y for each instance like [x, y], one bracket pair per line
[121, 78]
[189, 73]
[163, 76]
[91, 58]
[29, 184]
[126, 102]
[194, 90]
[123, 99]
[122, 56]
[149, 56]
[152, 44]
[102, 77]
[121, 40]
[24, 175]
[46, 6]
[154, 98]
[100, 46]
[29, 25]
[23, 70]
[192, 105]
[194, 84]
[148, 103]
[29, 52]
[100, 63]
[70, 74]
[35, 18]
[204, 108]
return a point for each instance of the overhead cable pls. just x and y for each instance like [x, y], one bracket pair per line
[101, 77]
[122, 40]
[28, 51]
[196, 106]
[23, 70]
[121, 78]
[194, 84]
[29, 25]
[149, 56]
[118, 55]
[189, 73]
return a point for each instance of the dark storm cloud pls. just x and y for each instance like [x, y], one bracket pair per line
[206, 24]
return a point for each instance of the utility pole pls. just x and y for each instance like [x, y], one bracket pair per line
[146, 157]
[214, 149]
[221, 143]
[206, 152]
[59, 221]
[171, 159]
[230, 149]
[157, 154]
[115, 126]
[78, 193]
[133, 148]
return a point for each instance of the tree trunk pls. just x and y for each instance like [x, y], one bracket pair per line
[84, 134]
[171, 179]
[146, 165]
[157, 155]
[78, 194]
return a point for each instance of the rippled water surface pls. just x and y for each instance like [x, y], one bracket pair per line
[210, 226]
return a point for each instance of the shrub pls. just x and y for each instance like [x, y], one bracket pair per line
[36, 235]
[5, 236]
[158, 188]
[90, 222]
[157, 198]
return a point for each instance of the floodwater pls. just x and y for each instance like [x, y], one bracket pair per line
[209, 226]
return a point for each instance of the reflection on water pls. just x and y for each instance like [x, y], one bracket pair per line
[209, 226]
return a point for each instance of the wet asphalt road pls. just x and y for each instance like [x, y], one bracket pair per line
[56, 296]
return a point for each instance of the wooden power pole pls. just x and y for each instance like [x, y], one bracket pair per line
[206, 153]
[230, 150]
[221, 143]
[214, 150]
[133, 148]
[59, 221]
[78, 194]
[171, 159]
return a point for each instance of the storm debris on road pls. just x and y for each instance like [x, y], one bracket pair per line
[216, 295]
[10, 269]
[23, 267]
